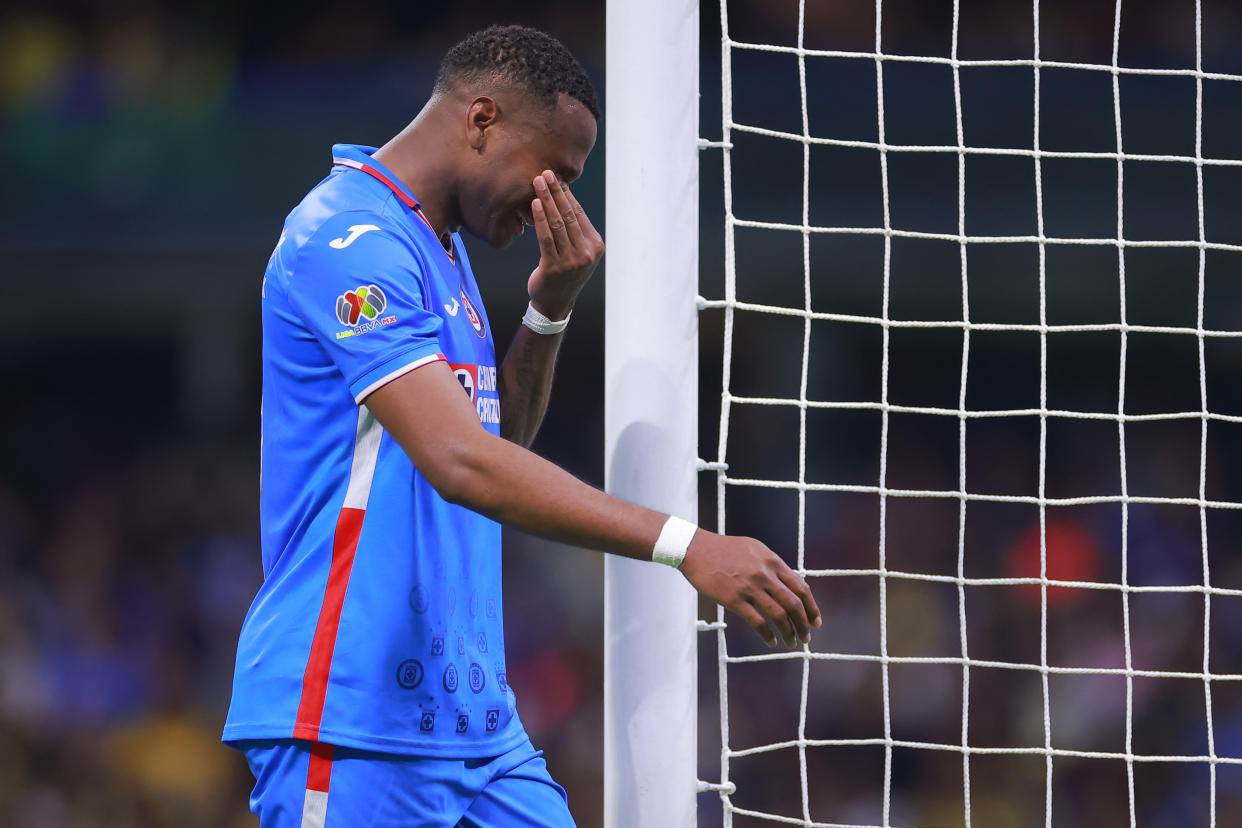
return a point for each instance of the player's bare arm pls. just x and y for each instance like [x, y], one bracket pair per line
[569, 249]
[433, 421]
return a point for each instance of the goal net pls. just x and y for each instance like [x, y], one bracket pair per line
[980, 348]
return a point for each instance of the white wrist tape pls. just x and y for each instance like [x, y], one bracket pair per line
[541, 324]
[674, 540]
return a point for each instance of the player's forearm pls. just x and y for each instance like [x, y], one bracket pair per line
[525, 384]
[516, 487]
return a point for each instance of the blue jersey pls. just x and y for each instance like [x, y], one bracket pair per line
[378, 625]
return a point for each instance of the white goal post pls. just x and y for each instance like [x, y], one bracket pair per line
[651, 404]
[652, 446]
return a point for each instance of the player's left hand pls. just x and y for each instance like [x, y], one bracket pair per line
[569, 247]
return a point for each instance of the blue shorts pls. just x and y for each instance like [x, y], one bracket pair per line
[302, 784]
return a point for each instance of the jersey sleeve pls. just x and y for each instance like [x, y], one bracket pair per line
[361, 290]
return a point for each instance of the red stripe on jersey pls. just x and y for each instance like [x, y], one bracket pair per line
[371, 171]
[397, 191]
[319, 663]
[319, 773]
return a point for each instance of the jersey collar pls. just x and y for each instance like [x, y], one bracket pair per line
[359, 157]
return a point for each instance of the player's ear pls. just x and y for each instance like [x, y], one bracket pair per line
[480, 117]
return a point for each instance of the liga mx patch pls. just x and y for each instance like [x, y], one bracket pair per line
[360, 310]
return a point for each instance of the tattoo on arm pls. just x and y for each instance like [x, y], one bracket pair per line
[525, 399]
[525, 368]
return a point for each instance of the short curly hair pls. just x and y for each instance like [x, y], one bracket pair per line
[524, 56]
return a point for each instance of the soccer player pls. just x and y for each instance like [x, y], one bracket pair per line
[370, 682]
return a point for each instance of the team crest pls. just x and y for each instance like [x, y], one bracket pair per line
[476, 321]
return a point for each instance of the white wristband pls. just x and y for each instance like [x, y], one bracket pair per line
[541, 324]
[674, 540]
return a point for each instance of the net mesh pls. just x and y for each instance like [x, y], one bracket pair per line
[1043, 577]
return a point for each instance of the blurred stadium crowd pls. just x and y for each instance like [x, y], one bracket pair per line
[153, 149]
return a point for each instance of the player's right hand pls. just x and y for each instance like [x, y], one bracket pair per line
[749, 579]
[569, 247]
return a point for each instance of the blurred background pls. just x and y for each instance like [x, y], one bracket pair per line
[153, 150]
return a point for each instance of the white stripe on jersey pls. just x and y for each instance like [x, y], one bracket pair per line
[366, 451]
[314, 809]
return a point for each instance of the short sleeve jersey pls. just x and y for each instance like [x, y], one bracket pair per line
[378, 625]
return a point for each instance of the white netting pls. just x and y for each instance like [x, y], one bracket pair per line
[897, 797]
